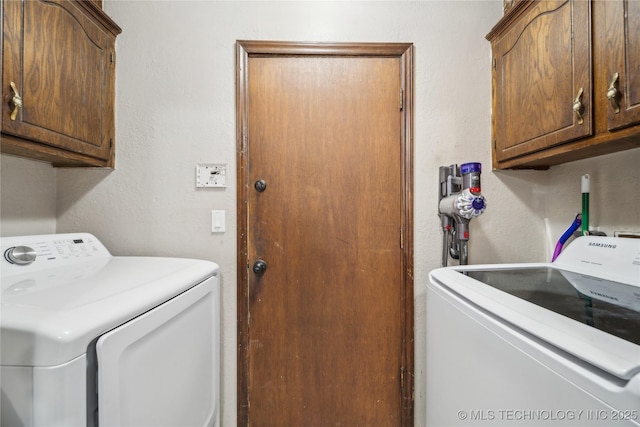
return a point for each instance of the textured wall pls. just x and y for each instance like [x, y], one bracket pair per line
[176, 108]
[614, 202]
[28, 202]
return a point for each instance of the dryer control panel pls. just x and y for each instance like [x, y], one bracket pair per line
[33, 253]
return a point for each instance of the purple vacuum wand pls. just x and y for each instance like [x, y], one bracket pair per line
[563, 239]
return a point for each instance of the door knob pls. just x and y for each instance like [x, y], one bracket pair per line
[259, 267]
[260, 185]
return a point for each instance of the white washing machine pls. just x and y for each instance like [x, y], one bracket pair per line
[549, 344]
[91, 339]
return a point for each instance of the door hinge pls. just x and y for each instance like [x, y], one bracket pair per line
[401, 99]
[401, 237]
[113, 57]
[494, 63]
[110, 142]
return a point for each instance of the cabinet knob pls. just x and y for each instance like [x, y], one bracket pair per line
[613, 94]
[16, 100]
[578, 107]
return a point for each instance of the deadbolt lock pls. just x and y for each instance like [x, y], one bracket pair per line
[260, 185]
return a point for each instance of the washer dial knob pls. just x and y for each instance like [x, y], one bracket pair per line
[21, 255]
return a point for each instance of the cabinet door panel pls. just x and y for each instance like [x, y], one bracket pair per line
[622, 56]
[541, 65]
[60, 63]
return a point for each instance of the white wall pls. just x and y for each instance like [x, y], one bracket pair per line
[614, 198]
[176, 108]
[28, 202]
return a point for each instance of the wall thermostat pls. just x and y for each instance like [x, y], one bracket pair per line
[211, 175]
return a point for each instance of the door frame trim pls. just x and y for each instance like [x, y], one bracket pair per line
[403, 51]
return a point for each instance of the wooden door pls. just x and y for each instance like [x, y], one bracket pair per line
[621, 58]
[540, 67]
[326, 331]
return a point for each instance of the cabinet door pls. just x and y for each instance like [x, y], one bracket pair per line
[622, 60]
[59, 61]
[542, 64]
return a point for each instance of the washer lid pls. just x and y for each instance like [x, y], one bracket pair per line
[49, 317]
[586, 303]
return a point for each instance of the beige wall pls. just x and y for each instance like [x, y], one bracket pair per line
[176, 108]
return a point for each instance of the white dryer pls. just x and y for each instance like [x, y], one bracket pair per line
[91, 339]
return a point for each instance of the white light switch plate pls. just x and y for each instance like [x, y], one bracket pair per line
[218, 221]
[211, 175]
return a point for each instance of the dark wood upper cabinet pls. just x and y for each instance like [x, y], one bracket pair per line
[554, 94]
[59, 59]
[620, 27]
